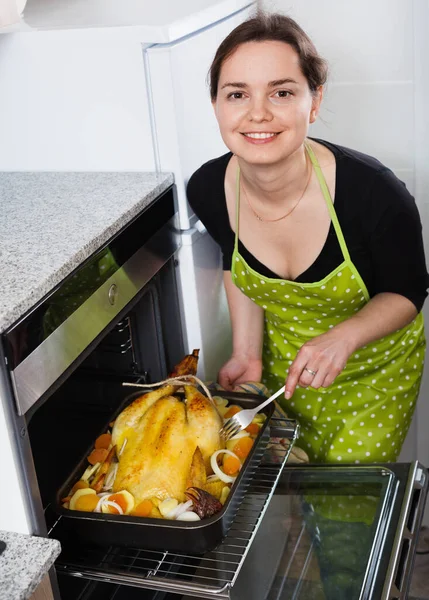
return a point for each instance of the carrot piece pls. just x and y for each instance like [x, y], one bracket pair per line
[243, 447]
[231, 465]
[119, 499]
[232, 410]
[97, 455]
[79, 485]
[143, 509]
[66, 499]
[88, 502]
[103, 441]
[100, 478]
[253, 428]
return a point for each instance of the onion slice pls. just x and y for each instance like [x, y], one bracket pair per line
[218, 471]
[114, 505]
[111, 476]
[104, 499]
[180, 509]
[123, 446]
[240, 434]
[90, 471]
[188, 516]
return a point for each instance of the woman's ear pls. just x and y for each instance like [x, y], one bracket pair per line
[315, 106]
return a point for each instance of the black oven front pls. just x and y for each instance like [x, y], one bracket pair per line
[115, 319]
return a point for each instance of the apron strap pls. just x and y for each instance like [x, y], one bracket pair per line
[237, 207]
[326, 195]
[328, 200]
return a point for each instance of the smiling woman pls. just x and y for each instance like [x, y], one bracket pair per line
[255, 107]
[324, 265]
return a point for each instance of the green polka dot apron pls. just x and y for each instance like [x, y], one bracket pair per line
[365, 414]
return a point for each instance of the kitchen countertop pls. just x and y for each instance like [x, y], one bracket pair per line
[51, 222]
[23, 563]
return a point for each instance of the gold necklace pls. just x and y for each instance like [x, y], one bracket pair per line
[289, 211]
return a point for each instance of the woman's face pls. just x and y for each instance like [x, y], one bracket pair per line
[264, 105]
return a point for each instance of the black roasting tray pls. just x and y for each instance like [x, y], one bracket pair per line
[159, 534]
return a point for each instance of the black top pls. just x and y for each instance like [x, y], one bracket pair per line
[378, 216]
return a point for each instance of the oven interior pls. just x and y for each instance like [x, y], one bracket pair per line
[141, 347]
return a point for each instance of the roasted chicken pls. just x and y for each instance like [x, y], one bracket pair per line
[164, 443]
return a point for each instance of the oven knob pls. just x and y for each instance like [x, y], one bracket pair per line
[113, 293]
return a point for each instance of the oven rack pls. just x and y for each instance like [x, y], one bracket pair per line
[202, 576]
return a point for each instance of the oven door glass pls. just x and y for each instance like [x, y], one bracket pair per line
[328, 533]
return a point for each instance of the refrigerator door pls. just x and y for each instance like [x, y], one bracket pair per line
[185, 132]
[185, 135]
[204, 309]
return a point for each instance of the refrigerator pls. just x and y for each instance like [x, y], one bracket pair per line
[122, 86]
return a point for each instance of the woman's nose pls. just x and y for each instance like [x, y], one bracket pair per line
[259, 110]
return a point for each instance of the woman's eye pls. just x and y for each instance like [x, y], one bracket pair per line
[281, 97]
[283, 94]
[235, 96]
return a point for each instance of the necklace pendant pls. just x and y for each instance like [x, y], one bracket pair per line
[259, 218]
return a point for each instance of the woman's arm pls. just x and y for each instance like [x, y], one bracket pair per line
[247, 321]
[327, 354]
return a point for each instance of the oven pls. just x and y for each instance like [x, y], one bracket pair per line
[117, 319]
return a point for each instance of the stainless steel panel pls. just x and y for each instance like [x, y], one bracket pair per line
[400, 567]
[39, 371]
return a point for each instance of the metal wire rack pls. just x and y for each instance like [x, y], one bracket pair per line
[202, 576]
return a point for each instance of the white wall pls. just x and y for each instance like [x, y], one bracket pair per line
[73, 101]
[376, 102]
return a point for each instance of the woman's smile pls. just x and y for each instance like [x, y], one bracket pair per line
[260, 137]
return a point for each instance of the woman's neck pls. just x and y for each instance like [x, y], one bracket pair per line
[276, 184]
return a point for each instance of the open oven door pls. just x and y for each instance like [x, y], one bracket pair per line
[334, 533]
[304, 532]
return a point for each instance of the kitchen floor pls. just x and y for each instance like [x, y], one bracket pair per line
[420, 583]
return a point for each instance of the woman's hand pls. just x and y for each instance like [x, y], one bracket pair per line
[319, 361]
[239, 370]
[247, 320]
[326, 355]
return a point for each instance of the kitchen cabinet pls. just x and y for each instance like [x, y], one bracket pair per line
[43, 590]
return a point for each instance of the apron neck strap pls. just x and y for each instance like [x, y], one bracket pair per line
[325, 191]
[237, 206]
[327, 196]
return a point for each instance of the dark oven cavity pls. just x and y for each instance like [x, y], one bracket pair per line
[116, 318]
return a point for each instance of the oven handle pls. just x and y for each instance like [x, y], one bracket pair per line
[399, 571]
[35, 375]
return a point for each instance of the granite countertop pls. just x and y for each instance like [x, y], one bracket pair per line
[51, 222]
[23, 563]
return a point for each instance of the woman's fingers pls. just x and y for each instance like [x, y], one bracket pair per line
[306, 377]
[319, 378]
[314, 368]
[295, 372]
[330, 378]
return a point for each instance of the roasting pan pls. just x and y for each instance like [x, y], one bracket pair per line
[159, 534]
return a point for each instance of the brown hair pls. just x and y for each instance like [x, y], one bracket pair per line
[271, 27]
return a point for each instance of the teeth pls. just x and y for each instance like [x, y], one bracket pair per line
[260, 136]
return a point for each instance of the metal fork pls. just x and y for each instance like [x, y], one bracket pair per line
[243, 418]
